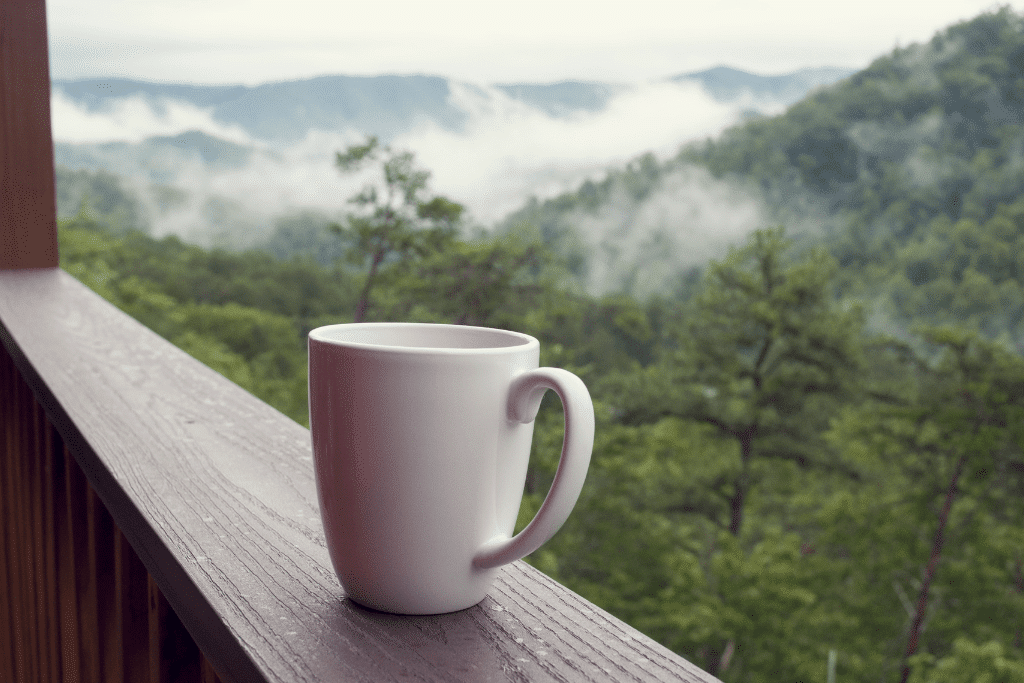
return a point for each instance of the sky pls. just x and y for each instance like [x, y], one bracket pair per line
[479, 41]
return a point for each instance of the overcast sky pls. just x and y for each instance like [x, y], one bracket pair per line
[483, 41]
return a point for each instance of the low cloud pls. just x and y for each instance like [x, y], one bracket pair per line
[509, 151]
[133, 119]
[506, 153]
[642, 247]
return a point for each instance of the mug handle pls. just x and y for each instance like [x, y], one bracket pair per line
[525, 394]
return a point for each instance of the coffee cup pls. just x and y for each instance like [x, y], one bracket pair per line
[421, 441]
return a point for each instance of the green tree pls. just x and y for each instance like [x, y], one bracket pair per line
[396, 217]
[765, 355]
[486, 282]
[955, 446]
[970, 663]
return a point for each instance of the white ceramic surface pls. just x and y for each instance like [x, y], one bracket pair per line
[421, 439]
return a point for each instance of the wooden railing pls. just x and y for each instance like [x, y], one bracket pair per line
[76, 603]
[130, 471]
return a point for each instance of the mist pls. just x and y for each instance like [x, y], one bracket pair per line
[509, 151]
[506, 152]
[644, 247]
[133, 119]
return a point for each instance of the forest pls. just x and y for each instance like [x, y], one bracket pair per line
[809, 458]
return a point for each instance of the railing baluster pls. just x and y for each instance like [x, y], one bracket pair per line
[23, 530]
[173, 655]
[101, 556]
[39, 537]
[85, 570]
[31, 505]
[69, 640]
[12, 494]
[7, 399]
[132, 598]
[49, 602]
[9, 574]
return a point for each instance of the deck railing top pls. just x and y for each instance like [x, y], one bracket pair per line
[215, 491]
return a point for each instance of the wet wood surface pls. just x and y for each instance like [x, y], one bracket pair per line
[214, 491]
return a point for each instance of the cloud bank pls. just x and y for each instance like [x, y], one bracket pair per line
[506, 153]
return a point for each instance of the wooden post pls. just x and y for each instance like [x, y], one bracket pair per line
[28, 204]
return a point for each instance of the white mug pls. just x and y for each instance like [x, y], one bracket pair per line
[421, 440]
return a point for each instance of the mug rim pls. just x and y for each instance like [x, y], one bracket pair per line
[322, 335]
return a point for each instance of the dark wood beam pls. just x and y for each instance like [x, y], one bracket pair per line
[28, 205]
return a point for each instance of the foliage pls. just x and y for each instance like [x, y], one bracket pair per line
[762, 355]
[908, 173]
[969, 663]
[395, 221]
[901, 164]
[228, 310]
[101, 195]
[485, 282]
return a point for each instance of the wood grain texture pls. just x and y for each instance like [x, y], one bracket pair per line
[28, 214]
[215, 492]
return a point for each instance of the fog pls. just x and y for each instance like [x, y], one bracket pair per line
[506, 153]
[510, 151]
[643, 247]
[133, 119]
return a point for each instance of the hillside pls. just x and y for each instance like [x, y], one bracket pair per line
[911, 171]
[726, 83]
[913, 168]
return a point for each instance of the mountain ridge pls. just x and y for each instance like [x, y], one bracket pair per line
[897, 170]
[727, 83]
[272, 144]
[389, 104]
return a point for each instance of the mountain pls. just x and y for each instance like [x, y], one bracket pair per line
[158, 159]
[389, 105]
[286, 111]
[911, 171]
[563, 98]
[727, 84]
[268, 149]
